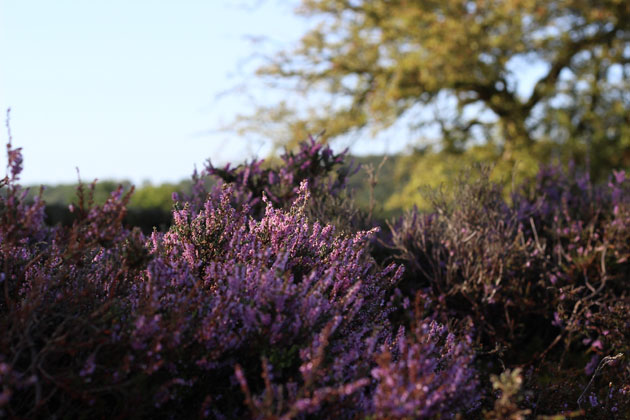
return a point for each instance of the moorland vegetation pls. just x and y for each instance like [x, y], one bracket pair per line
[272, 295]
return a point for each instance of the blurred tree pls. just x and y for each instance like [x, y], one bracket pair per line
[158, 196]
[384, 60]
[147, 196]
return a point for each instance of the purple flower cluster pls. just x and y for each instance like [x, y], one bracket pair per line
[241, 288]
[325, 172]
[229, 314]
[405, 390]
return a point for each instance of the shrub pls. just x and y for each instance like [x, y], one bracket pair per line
[101, 321]
[280, 288]
[62, 304]
[327, 174]
[542, 278]
[470, 259]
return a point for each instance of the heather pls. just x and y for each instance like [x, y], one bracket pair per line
[223, 316]
[272, 295]
[543, 278]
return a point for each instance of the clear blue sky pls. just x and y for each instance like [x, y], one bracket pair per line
[125, 89]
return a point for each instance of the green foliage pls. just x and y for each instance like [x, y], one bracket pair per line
[375, 182]
[505, 407]
[381, 61]
[150, 206]
[427, 170]
[158, 196]
[148, 196]
[66, 193]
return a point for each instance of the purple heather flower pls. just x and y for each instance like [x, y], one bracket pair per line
[89, 366]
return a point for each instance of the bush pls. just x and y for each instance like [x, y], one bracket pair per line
[542, 279]
[222, 316]
[327, 175]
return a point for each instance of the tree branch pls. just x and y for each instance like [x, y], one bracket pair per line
[546, 85]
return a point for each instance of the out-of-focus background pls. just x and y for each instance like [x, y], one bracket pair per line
[142, 92]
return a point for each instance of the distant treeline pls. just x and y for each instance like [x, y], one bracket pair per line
[150, 205]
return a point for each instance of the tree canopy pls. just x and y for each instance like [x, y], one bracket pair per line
[381, 61]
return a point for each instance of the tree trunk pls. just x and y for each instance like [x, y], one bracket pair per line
[515, 135]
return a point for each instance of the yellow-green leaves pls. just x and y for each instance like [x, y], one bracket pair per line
[377, 60]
